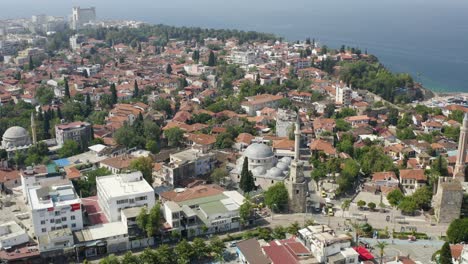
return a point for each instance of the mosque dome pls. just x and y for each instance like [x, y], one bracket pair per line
[15, 132]
[282, 166]
[15, 137]
[258, 151]
[275, 172]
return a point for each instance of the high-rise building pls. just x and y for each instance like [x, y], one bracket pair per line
[81, 16]
[297, 183]
[343, 95]
[459, 171]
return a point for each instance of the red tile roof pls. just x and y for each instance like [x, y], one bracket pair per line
[417, 174]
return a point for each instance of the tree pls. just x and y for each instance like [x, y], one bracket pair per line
[162, 104]
[372, 206]
[113, 91]
[218, 175]
[224, 141]
[200, 248]
[129, 258]
[174, 136]
[245, 210]
[276, 197]
[361, 203]
[246, 183]
[279, 232]
[394, 197]
[445, 254]
[136, 91]
[196, 56]
[345, 205]
[422, 197]
[168, 69]
[407, 205]
[329, 110]
[66, 89]
[184, 252]
[293, 228]
[457, 231]
[111, 259]
[148, 256]
[142, 219]
[211, 59]
[154, 220]
[44, 95]
[145, 165]
[217, 247]
[69, 148]
[31, 63]
[164, 254]
[381, 245]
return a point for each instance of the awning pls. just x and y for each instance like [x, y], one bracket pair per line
[364, 254]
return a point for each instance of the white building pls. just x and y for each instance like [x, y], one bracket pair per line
[242, 57]
[324, 244]
[102, 239]
[258, 102]
[204, 205]
[267, 170]
[40, 175]
[117, 192]
[81, 16]
[343, 95]
[11, 234]
[56, 240]
[90, 70]
[76, 40]
[54, 208]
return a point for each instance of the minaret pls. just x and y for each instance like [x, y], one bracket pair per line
[33, 129]
[459, 171]
[296, 184]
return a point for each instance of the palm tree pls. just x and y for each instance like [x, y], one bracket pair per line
[381, 246]
[345, 206]
[357, 231]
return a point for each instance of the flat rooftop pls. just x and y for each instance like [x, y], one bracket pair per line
[52, 196]
[101, 231]
[10, 229]
[124, 184]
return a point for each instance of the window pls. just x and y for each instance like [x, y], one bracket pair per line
[122, 201]
[53, 228]
[72, 217]
[64, 226]
[141, 198]
[58, 221]
[43, 230]
[64, 219]
[131, 201]
[57, 213]
[52, 220]
[297, 191]
[73, 225]
[42, 222]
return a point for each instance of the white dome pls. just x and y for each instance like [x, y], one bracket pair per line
[258, 151]
[275, 172]
[286, 160]
[282, 166]
[258, 171]
[15, 132]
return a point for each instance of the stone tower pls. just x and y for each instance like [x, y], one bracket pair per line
[448, 200]
[296, 183]
[459, 171]
[33, 129]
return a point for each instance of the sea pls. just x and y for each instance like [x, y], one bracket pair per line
[427, 38]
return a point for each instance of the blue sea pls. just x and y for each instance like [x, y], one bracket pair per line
[427, 38]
